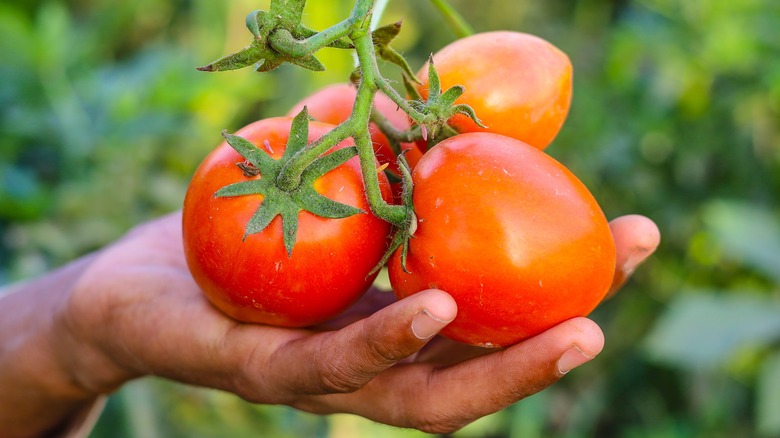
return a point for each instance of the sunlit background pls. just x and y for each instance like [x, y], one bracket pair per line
[676, 115]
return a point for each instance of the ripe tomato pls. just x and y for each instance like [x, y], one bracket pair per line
[333, 104]
[519, 85]
[516, 239]
[252, 279]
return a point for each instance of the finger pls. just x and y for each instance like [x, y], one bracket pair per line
[442, 400]
[345, 360]
[636, 238]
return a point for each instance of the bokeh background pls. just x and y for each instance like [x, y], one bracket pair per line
[676, 115]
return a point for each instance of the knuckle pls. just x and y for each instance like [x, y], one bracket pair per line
[383, 353]
[334, 378]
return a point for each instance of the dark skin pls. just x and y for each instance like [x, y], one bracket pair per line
[132, 309]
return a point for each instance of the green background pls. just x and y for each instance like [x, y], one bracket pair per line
[676, 115]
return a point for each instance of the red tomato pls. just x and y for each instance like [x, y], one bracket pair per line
[333, 104]
[516, 239]
[253, 279]
[519, 85]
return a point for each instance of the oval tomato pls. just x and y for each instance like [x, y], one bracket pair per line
[516, 239]
[333, 104]
[252, 279]
[519, 85]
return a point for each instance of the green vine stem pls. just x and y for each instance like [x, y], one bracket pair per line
[356, 126]
[280, 37]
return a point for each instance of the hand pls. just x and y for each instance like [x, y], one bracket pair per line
[154, 320]
[136, 311]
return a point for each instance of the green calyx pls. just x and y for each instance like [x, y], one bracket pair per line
[439, 108]
[284, 203]
[286, 184]
[279, 37]
[406, 230]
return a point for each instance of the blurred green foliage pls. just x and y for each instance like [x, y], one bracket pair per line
[676, 116]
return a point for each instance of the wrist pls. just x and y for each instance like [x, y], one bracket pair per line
[80, 338]
[39, 394]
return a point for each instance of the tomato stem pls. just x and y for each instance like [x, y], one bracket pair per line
[393, 134]
[280, 37]
[283, 41]
[356, 126]
[399, 100]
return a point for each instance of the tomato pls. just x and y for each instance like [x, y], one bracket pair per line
[252, 279]
[333, 104]
[518, 84]
[516, 239]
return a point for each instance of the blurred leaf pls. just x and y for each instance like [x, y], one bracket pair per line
[748, 233]
[141, 407]
[768, 397]
[701, 330]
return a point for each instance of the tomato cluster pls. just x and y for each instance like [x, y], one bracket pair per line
[510, 233]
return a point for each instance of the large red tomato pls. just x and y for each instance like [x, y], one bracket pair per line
[252, 279]
[516, 239]
[333, 104]
[519, 85]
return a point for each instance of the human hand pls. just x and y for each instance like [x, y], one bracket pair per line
[136, 311]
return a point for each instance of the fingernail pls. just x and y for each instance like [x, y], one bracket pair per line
[425, 325]
[572, 358]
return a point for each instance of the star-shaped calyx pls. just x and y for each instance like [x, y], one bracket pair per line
[287, 203]
[440, 106]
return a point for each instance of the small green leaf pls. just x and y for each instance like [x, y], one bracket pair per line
[290, 229]
[253, 22]
[450, 96]
[328, 162]
[383, 35]
[243, 188]
[260, 159]
[328, 208]
[469, 111]
[309, 62]
[293, 12]
[299, 134]
[245, 57]
[434, 84]
[262, 217]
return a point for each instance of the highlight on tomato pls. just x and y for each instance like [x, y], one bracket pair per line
[251, 276]
[519, 85]
[516, 239]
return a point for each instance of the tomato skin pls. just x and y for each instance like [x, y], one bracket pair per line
[520, 85]
[252, 279]
[516, 239]
[333, 104]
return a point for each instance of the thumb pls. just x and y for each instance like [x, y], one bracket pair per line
[347, 359]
